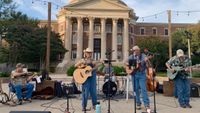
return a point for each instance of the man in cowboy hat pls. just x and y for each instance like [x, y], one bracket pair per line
[182, 83]
[89, 87]
[138, 60]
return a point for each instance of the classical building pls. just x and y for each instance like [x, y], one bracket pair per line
[102, 25]
[98, 24]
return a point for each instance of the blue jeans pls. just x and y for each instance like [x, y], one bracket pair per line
[89, 87]
[183, 90]
[175, 91]
[139, 83]
[29, 89]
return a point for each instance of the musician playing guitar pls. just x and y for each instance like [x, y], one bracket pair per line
[89, 86]
[182, 83]
[20, 80]
[137, 61]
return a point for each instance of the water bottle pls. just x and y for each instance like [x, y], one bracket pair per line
[98, 108]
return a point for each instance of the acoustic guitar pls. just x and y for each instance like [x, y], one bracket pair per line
[131, 69]
[176, 69]
[82, 73]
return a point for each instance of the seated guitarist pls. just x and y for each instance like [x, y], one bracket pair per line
[182, 83]
[19, 82]
[89, 87]
[139, 78]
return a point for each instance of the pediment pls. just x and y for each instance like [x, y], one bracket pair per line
[99, 4]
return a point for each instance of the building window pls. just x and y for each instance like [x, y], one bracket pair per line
[74, 54]
[131, 29]
[74, 38]
[97, 49]
[74, 27]
[108, 28]
[142, 31]
[97, 28]
[85, 27]
[119, 55]
[166, 31]
[119, 39]
[154, 31]
[119, 28]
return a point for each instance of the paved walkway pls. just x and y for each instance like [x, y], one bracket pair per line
[56, 105]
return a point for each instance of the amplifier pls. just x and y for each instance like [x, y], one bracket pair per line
[194, 90]
[168, 88]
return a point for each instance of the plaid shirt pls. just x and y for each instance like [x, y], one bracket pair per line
[175, 61]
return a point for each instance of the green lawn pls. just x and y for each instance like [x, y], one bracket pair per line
[161, 74]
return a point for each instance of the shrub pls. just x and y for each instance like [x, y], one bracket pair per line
[101, 68]
[195, 60]
[196, 74]
[4, 74]
[71, 70]
[118, 70]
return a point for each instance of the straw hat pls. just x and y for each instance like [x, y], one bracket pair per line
[135, 48]
[179, 53]
[19, 65]
[88, 50]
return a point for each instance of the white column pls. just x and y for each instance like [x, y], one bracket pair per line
[67, 40]
[114, 39]
[103, 38]
[126, 39]
[91, 33]
[80, 38]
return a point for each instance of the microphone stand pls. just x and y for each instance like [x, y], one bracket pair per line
[132, 63]
[108, 53]
[134, 94]
[67, 110]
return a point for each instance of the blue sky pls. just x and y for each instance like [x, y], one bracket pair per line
[142, 8]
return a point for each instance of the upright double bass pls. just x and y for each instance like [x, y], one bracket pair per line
[151, 83]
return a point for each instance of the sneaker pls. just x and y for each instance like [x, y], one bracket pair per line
[183, 106]
[94, 107]
[29, 100]
[84, 109]
[188, 106]
[148, 109]
[138, 107]
[20, 102]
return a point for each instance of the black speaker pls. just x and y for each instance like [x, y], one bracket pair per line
[30, 112]
[194, 90]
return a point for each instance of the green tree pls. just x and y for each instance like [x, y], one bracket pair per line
[6, 7]
[180, 41]
[158, 46]
[27, 42]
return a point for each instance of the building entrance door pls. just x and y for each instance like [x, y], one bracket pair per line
[97, 49]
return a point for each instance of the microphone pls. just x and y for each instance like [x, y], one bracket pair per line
[108, 52]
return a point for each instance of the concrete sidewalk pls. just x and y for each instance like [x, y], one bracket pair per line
[56, 105]
[164, 105]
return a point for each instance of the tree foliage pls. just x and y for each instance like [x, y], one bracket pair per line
[27, 42]
[6, 7]
[158, 46]
[180, 41]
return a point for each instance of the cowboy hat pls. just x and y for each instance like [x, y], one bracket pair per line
[88, 50]
[135, 48]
